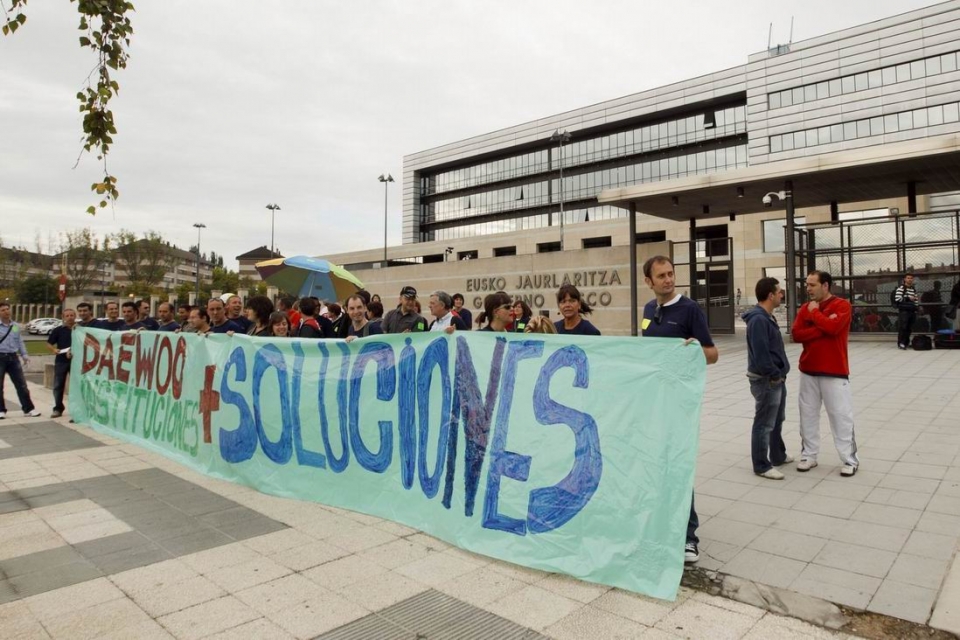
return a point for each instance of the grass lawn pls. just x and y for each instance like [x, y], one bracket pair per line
[38, 347]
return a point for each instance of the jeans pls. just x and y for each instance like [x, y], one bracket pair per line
[10, 365]
[905, 326]
[693, 524]
[767, 435]
[61, 369]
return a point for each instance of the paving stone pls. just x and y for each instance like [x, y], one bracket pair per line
[317, 615]
[843, 587]
[730, 531]
[208, 618]
[891, 516]
[694, 619]
[77, 597]
[256, 525]
[247, 574]
[36, 582]
[481, 586]
[905, 601]
[262, 629]
[131, 558]
[379, 592]
[789, 544]
[97, 621]
[931, 545]
[588, 622]
[39, 561]
[765, 568]
[827, 506]
[875, 536]
[533, 607]
[918, 571]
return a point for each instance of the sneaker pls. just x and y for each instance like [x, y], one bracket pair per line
[848, 470]
[771, 474]
[3, 414]
[56, 414]
[786, 460]
[806, 464]
[902, 347]
[32, 414]
[691, 553]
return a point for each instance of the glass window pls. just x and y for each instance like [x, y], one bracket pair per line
[948, 62]
[849, 84]
[890, 123]
[875, 79]
[917, 69]
[861, 81]
[774, 236]
[835, 87]
[933, 65]
[823, 135]
[787, 141]
[811, 137]
[863, 128]
[836, 133]
[849, 130]
[919, 118]
[950, 112]
[810, 93]
[935, 116]
[786, 97]
[799, 140]
[876, 126]
[775, 100]
[906, 120]
[889, 75]
[823, 90]
[903, 72]
[798, 95]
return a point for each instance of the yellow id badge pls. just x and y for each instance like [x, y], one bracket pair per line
[645, 323]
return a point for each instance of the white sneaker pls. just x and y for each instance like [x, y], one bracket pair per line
[691, 553]
[32, 414]
[848, 470]
[3, 414]
[806, 464]
[771, 474]
[786, 460]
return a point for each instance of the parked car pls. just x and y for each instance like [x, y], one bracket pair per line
[44, 328]
[30, 326]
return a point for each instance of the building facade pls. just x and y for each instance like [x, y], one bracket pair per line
[860, 124]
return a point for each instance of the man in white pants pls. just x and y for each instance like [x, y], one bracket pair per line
[822, 327]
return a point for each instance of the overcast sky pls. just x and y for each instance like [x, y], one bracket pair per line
[227, 106]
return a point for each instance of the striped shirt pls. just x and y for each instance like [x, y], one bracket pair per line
[12, 343]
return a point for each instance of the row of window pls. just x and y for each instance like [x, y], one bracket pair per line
[575, 216]
[716, 124]
[584, 185]
[866, 80]
[878, 125]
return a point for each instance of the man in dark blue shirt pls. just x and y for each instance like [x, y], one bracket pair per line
[112, 322]
[218, 318]
[131, 317]
[165, 317]
[58, 342]
[235, 313]
[148, 323]
[671, 315]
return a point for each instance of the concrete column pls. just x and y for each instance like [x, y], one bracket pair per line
[171, 298]
[154, 301]
[633, 270]
[243, 295]
[791, 257]
[273, 292]
[216, 293]
[192, 298]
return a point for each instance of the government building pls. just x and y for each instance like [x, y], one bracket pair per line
[840, 152]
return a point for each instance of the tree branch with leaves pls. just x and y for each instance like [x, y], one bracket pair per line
[107, 32]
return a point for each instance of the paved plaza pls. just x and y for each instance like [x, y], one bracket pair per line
[101, 539]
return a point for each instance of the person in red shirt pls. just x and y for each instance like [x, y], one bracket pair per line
[822, 326]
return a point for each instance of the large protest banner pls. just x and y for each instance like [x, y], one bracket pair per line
[568, 454]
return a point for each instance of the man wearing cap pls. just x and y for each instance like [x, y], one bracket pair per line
[405, 319]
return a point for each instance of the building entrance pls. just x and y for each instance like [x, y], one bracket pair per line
[704, 272]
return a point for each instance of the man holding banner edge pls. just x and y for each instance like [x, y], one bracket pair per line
[672, 315]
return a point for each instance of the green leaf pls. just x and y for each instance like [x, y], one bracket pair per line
[103, 203]
[21, 18]
[6, 30]
[91, 210]
[13, 26]
[84, 41]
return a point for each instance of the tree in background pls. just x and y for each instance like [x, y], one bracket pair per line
[82, 254]
[225, 280]
[143, 261]
[107, 32]
[36, 289]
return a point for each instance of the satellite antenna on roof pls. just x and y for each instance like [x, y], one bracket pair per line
[770, 36]
[791, 31]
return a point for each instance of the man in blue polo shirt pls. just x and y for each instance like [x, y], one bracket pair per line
[219, 323]
[131, 317]
[112, 322]
[671, 315]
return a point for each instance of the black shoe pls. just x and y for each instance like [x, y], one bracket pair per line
[691, 553]
[56, 414]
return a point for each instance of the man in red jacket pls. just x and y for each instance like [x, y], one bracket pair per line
[822, 326]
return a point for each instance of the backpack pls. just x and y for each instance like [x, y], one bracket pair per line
[893, 297]
[921, 342]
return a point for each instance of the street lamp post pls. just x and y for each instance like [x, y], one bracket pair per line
[273, 217]
[199, 226]
[386, 180]
[561, 137]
